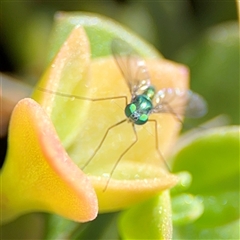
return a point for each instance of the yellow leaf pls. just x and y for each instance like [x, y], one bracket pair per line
[38, 174]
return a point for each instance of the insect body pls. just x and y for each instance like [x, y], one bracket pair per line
[145, 100]
[144, 96]
[140, 107]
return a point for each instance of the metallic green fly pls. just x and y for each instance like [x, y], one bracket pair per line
[145, 99]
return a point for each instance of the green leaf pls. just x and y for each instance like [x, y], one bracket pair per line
[148, 220]
[66, 73]
[102, 228]
[61, 228]
[186, 208]
[219, 208]
[100, 31]
[212, 158]
[229, 232]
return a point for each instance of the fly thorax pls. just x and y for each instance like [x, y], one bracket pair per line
[149, 92]
[138, 110]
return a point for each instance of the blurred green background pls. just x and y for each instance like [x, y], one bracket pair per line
[200, 34]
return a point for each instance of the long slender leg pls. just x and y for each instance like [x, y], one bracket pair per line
[156, 142]
[81, 98]
[105, 135]
[102, 141]
[120, 157]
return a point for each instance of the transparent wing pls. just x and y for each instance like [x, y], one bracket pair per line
[179, 102]
[132, 66]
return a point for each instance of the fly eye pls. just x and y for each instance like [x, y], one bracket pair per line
[142, 119]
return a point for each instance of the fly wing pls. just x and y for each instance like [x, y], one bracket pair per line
[132, 66]
[179, 102]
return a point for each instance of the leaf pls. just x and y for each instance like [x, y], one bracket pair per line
[73, 79]
[38, 175]
[186, 209]
[100, 30]
[212, 158]
[148, 220]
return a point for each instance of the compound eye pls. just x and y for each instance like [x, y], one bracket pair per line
[130, 109]
[142, 119]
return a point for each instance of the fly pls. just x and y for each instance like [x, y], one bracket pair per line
[145, 99]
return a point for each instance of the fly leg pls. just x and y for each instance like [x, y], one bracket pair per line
[156, 142]
[120, 157]
[102, 141]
